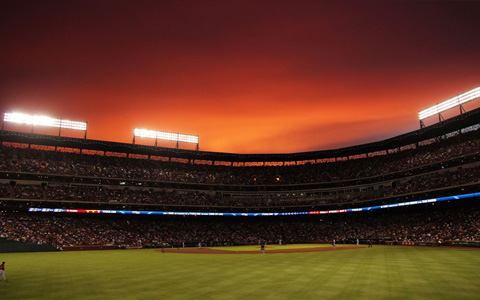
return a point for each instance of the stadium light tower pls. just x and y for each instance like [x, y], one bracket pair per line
[167, 136]
[45, 121]
[448, 104]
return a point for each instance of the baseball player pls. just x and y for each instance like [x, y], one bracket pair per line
[2, 271]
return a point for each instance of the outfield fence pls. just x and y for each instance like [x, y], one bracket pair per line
[14, 246]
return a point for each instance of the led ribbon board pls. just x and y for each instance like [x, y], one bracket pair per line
[20, 118]
[176, 213]
[168, 136]
[450, 103]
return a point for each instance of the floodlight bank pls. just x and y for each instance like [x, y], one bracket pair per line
[450, 103]
[168, 136]
[35, 120]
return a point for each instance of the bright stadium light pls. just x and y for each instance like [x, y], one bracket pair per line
[167, 136]
[450, 103]
[45, 121]
[20, 118]
[145, 133]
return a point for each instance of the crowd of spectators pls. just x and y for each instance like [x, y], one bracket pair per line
[61, 163]
[425, 224]
[421, 225]
[77, 165]
[139, 195]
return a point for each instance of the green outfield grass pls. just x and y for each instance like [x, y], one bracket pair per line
[382, 272]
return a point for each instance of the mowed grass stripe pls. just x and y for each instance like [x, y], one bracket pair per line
[381, 272]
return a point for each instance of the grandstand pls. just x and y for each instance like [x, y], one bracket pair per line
[64, 173]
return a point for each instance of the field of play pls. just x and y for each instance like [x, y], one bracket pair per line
[381, 272]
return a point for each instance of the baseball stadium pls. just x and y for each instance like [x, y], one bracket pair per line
[232, 150]
[92, 219]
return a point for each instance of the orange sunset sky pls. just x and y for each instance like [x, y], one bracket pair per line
[245, 76]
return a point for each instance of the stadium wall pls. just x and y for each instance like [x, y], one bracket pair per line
[13, 246]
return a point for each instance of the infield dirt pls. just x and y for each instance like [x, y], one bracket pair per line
[218, 251]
